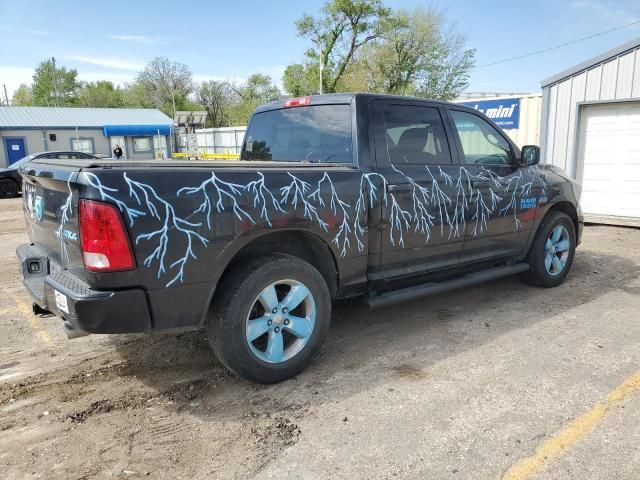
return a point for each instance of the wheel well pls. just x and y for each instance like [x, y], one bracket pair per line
[569, 209]
[303, 245]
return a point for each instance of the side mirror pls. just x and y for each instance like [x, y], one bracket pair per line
[530, 155]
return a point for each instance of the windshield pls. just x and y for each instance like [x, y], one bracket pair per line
[320, 133]
[22, 161]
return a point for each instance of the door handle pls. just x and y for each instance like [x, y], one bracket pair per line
[399, 187]
[481, 183]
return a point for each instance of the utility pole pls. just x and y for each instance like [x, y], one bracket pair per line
[321, 66]
[6, 97]
[55, 81]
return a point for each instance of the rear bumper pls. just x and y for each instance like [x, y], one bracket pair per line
[81, 309]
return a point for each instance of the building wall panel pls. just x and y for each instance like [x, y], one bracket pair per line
[563, 105]
[594, 78]
[624, 78]
[528, 131]
[547, 155]
[635, 87]
[578, 86]
[609, 80]
[33, 142]
[64, 136]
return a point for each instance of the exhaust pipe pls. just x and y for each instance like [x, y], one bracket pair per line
[38, 310]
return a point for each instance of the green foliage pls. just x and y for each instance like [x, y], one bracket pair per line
[134, 95]
[230, 104]
[165, 84]
[100, 94]
[366, 47]
[342, 28]
[54, 86]
[22, 97]
[258, 89]
[299, 79]
[418, 54]
[216, 98]
[447, 72]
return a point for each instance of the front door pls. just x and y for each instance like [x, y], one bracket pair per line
[502, 196]
[420, 228]
[15, 149]
[159, 147]
[118, 141]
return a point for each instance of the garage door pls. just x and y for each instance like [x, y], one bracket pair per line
[609, 155]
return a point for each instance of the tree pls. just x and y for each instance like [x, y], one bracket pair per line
[22, 97]
[216, 98]
[447, 71]
[406, 40]
[134, 95]
[367, 47]
[342, 28]
[418, 53]
[257, 89]
[166, 84]
[54, 86]
[100, 94]
[299, 79]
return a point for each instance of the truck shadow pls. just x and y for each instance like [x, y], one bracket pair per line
[367, 348]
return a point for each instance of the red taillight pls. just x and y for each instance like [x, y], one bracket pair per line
[298, 102]
[103, 239]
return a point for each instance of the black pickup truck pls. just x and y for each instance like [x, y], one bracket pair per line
[334, 196]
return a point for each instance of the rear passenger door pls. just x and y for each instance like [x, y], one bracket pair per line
[413, 156]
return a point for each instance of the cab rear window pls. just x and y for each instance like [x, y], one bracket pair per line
[314, 134]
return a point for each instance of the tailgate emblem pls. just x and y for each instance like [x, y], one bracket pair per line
[38, 208]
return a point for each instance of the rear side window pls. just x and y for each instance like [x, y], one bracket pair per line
[315, 134]
[415, 135]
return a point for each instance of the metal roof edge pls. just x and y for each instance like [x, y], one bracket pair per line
[587, 64]
[482, 99]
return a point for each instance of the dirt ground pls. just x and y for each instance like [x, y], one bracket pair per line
[463, 385]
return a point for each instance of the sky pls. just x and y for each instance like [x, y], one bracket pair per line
[232, 39]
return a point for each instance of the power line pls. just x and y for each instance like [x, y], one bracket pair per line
[555, 47]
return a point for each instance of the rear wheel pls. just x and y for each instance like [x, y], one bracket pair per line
[8, 188]
[552, 251]
[270, 316]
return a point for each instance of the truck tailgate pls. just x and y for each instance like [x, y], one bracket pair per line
[50, 202]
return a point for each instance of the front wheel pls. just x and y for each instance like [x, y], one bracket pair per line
[270, 316]
[552, 251]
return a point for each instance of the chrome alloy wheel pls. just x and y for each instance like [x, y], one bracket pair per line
[557, 250]
[281, 321]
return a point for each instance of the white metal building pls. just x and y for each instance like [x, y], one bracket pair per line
[517, 114]
[591, 128]
[212, 140]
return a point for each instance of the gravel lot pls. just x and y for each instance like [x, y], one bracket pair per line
[464, 385]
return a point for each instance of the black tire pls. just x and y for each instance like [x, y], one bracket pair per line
[8, 188]
[538, 274]
[237, 299]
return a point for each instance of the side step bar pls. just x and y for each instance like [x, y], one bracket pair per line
[397, 296]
